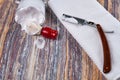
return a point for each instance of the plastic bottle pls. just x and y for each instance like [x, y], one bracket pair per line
[30, 14]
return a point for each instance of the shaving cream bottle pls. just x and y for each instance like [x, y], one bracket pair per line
[30, 14]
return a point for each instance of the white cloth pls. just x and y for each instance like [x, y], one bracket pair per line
[88, 37]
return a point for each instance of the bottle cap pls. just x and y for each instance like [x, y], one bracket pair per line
[49, 33]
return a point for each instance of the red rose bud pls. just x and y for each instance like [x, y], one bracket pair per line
[49, 33]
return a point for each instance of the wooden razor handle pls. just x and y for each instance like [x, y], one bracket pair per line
[106, 50]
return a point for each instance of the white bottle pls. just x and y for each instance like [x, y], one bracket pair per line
[30, 14]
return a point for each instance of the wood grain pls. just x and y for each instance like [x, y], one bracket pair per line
[61, 59]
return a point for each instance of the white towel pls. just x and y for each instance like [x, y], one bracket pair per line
[87, 36]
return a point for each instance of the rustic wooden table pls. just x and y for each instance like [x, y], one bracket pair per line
[61, 59]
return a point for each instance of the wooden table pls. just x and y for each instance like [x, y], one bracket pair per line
[61, 59]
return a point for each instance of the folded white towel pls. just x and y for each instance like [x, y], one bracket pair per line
[87, 36]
